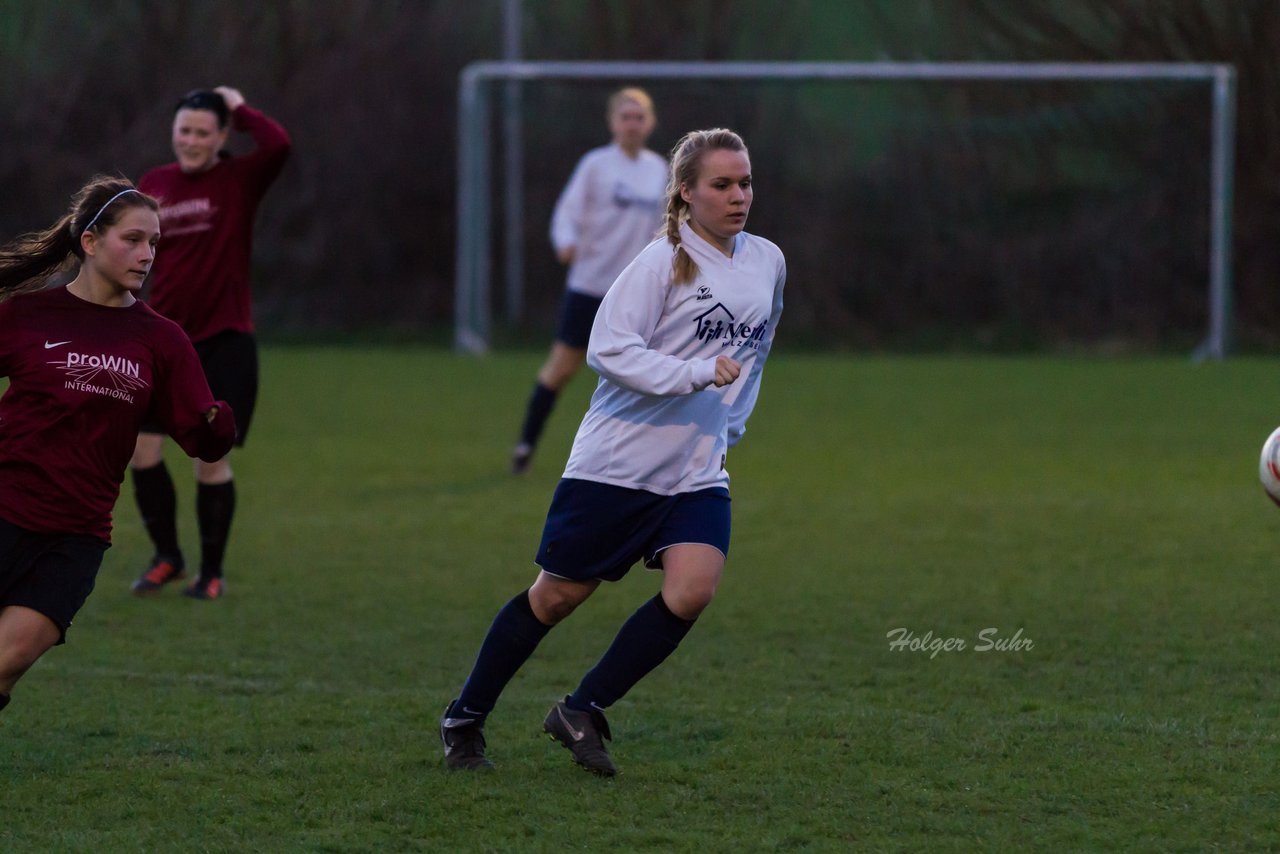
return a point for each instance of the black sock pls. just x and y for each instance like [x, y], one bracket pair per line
[645, 640]
[512, 638]
[158, 505]
[541, 402]
[4, 700]
[215, 505]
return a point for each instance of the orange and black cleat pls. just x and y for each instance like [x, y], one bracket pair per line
[161, 571]
[204, 588]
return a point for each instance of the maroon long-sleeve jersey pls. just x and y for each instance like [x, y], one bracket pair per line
[200, 278]
[82, 378]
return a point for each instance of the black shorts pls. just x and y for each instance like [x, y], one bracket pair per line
[598, 530]
[49, 573]
[230, 362]
[577, 313]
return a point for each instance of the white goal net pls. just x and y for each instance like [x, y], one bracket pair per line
[920, 204]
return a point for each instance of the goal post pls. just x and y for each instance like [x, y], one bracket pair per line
[473, 313]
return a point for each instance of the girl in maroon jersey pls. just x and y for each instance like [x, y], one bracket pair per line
[86, 363]
[201, 281]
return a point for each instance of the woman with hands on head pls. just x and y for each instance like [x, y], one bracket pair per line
[201, 281]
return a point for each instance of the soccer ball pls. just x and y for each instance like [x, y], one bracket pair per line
[1269, 466]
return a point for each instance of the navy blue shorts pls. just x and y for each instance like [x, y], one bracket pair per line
[230, 362]
[52, 574]
[597, 530]
[577, 313]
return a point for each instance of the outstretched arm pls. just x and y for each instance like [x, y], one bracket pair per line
[182, 402]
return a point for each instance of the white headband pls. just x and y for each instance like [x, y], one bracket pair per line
[108, 204]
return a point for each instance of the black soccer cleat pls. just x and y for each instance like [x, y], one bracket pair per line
[463, 740]
[583, 733]
[521, 457]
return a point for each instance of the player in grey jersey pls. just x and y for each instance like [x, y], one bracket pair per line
[606, 214]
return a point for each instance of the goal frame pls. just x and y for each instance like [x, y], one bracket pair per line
[472, 306]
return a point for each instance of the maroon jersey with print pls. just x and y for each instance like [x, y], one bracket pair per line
[82, 378]
[200, 278]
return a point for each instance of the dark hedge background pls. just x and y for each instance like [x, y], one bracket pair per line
[913, 216]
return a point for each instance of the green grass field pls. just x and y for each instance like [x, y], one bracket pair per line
[1107, 509]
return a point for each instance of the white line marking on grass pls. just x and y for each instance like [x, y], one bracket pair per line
[169, 678]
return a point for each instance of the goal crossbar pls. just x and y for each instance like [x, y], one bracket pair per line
[472, 276]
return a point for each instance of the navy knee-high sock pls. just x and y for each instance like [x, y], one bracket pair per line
[158, 505]
[512, 638]
[645, 640]
[541, 402]
[215, 505]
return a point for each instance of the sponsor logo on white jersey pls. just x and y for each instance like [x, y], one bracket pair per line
[717, 324]
[627, 197]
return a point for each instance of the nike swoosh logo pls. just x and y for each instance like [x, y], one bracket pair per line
[576, 733]
[454, 723]
[49, 346]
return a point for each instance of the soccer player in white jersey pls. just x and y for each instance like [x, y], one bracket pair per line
[605, 215]
[679, 342]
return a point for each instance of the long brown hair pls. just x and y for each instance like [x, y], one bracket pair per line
[28, 260]
[686, 161]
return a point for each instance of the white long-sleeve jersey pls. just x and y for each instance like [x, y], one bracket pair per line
[656, 421]
[608, 212]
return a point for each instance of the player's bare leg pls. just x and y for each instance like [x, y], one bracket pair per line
[25, 635]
